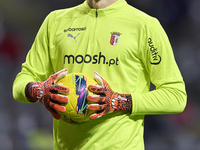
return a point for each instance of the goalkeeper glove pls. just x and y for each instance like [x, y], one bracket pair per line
[110, 101]
[46, 92]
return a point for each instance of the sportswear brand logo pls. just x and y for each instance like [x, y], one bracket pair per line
[156, 59]
[69, 35]
[95, 59]
[75, 29]
[114, 38]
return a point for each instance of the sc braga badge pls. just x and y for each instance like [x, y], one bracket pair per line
[114, 38]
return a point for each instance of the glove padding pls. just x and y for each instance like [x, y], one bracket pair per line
[107, 100]
[46, 92]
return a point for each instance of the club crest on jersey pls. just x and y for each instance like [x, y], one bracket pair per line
[114, 38]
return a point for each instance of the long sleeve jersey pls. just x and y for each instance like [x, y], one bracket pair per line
[129, 49]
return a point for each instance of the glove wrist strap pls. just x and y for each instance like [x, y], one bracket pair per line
[122, 103]
[33, 92]
[39, 91]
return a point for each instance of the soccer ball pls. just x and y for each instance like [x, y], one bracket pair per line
[76, 108]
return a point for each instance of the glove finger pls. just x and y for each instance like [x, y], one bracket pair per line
[55, 115]
[96, 89]
[96, 107]
[94, 116]
[96, 98]
[59, 75]
[59, 98]
[57, 107]
[60, 89]
[98, 115]
[100, 80]
[52, 111]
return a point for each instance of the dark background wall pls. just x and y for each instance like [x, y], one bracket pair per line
[29, 127]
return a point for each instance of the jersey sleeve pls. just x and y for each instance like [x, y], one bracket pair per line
[37, 66]
[157, 56]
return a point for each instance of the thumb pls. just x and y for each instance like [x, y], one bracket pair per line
[100, 80]
[59, 75]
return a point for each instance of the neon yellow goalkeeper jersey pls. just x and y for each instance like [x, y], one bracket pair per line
[129, 49]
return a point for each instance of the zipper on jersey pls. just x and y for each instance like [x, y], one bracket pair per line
[96, 13]
[95, 24]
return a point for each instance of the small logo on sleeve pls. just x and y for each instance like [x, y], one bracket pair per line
[114, 38]
[155, 57]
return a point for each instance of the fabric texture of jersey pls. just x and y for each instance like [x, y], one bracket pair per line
[128, 48]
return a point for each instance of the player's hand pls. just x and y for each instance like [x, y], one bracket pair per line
[46, 92]
[107, 100]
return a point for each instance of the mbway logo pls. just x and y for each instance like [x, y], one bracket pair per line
[75, 29]
[95, 59]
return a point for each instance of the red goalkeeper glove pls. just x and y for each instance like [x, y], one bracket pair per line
[46, 92]
[108, 100]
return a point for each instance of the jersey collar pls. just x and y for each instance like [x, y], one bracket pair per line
[85, 8]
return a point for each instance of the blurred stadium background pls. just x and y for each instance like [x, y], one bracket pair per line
[29, 127]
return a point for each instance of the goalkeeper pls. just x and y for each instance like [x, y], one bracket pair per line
[125, 49]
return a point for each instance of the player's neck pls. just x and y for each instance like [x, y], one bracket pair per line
[100, 4]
